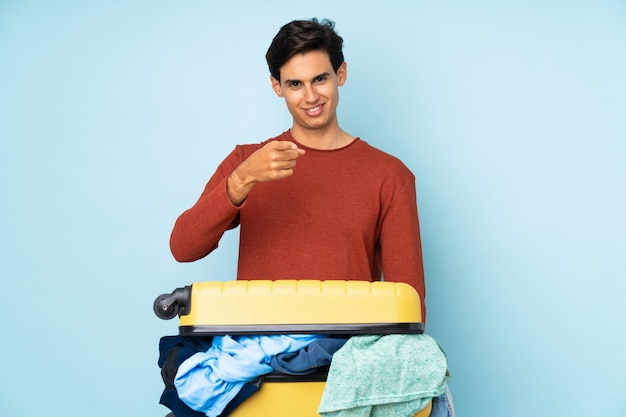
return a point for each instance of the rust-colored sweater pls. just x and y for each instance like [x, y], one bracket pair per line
[348, 213]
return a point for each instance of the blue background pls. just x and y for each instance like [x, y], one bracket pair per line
[114, 114]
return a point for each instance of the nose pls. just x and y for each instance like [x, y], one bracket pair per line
[311, 95]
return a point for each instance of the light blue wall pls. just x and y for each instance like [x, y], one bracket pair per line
[512, 115]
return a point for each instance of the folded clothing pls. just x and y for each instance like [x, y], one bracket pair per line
[384, 376]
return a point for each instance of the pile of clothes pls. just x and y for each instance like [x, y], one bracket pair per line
[211, 376]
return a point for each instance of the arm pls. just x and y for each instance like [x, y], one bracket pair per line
[400, 242]
[198, 230]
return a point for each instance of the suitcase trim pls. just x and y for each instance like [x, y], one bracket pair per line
[318, 328]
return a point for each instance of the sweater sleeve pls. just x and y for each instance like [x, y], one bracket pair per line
[198, 230]
[400, 242]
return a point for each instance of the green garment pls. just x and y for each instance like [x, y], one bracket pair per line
[384, 376]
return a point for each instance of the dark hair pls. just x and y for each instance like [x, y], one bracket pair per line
[300, 36]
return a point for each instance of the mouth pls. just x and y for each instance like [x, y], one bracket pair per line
[314, 111]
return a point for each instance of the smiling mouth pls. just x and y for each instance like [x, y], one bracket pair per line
[314, 111]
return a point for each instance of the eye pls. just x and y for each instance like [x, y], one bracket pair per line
[294, 84]
[320, 79]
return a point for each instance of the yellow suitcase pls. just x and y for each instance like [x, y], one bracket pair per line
[292, 306]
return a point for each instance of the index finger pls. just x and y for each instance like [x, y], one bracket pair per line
[284, 145]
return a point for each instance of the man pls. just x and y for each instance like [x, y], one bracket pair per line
[314, 202]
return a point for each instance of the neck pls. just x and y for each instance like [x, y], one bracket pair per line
[323, 139]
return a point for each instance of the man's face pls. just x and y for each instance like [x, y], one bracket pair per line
[310, 87]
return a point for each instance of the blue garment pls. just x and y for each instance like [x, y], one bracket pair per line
[443, 405]
[208, 381]
[308, 359]
[174, 350]
[193, 343]
[171, 400]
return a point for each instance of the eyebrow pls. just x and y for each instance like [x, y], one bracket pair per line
[324, 74]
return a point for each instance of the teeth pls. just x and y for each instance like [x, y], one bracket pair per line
[314, 109]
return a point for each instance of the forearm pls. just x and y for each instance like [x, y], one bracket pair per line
[199, 229]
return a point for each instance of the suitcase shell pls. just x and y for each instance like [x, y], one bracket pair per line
[291, 306]
[297, 306]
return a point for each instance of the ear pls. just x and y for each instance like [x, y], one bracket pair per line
[342, 74]
[276, 86]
